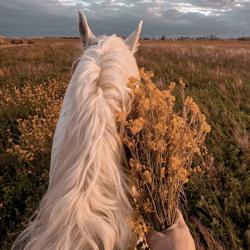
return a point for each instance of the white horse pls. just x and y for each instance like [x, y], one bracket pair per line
[86, 204]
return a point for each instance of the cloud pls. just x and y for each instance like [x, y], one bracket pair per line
[161, 17]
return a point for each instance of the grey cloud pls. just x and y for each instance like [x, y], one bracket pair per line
[49, 17]
[222, 2]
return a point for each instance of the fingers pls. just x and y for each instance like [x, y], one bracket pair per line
[153, 234]
[179, 222]
[179, 218]
[152, 237]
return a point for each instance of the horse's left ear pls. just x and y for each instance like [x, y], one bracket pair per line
[86, 34]
[133, 40]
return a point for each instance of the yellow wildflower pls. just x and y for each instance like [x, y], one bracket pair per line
[175, 163]
[137, 125]
[189, 103]
[147, 177]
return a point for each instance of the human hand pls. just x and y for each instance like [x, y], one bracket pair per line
[176, 237]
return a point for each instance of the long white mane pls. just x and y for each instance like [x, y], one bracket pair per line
[86, 204]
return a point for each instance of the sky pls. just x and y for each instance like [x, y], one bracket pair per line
[224, 18]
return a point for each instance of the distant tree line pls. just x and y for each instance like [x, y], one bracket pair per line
[212, 37]
[162, 38]
[244, 38]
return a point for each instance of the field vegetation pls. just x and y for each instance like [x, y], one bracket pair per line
[33, 79]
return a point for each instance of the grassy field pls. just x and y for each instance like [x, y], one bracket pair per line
[33, 79]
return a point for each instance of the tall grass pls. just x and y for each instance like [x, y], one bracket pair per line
[33, 79]
[218, 79]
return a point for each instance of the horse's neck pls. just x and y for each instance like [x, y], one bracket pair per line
[86, 204]
[87, 149]
[98, 89]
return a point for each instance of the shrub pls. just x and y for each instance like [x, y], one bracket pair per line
[17, 41]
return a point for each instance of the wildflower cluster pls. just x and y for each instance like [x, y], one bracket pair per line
[160, 144]
[36, 129]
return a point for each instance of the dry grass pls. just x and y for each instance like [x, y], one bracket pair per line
[164, 147]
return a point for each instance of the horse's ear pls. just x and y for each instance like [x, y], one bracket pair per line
[86, 34]
[133, 40]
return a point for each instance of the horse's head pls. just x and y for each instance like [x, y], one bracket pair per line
[111, 56]
[89, 39]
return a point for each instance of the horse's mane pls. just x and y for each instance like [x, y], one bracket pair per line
[86, 204]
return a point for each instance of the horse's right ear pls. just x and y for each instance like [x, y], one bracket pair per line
[133, 40]
[86, 34]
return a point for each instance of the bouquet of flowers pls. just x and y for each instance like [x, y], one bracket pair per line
[163, 148]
